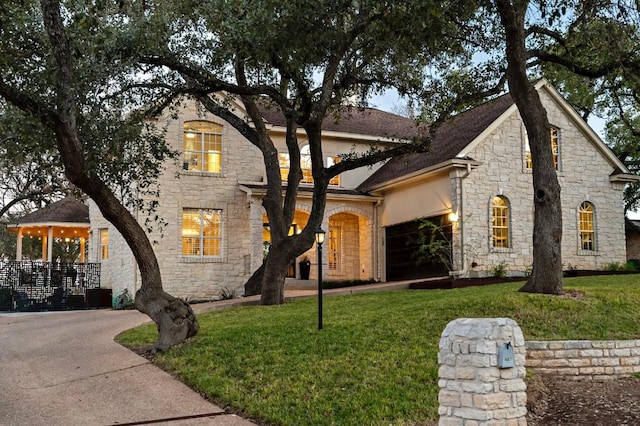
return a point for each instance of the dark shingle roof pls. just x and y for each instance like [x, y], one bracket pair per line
[362, 121]
[450, 138]
[68, 209]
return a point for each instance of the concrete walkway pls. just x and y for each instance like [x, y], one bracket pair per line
[64, 368]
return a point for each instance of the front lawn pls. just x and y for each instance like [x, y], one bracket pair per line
[375, 361]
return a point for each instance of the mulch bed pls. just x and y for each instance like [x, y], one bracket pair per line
[447, 283]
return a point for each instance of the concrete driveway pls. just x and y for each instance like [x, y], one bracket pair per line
[63, 368]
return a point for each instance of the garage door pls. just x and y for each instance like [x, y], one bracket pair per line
[403, 260]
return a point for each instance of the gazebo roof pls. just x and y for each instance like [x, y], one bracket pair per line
[67, 210]
[68, 218]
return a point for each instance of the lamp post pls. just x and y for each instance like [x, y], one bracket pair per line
[319, 240]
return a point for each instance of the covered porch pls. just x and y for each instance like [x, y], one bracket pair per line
[41, 280]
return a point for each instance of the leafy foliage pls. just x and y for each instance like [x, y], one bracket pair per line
[120, 145]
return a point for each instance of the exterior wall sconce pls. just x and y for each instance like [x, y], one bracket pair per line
[453, 216]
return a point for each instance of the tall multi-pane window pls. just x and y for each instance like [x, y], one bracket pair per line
[555, 148]
[335, 238]
[201, 232]
[330, 162]
[586, 226]
[500, 222]
[285, 166]
[305, 163]
[104, 244]
[202, 147]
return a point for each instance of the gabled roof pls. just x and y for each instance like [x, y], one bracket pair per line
[450, 139]
[458, 135]
[67, 210]
[355, 120]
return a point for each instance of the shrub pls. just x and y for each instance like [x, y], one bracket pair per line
[227, 293]
[614, 266]
[499, 270]
[528, 271]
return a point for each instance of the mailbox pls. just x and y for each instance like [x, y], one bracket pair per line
[506, 358]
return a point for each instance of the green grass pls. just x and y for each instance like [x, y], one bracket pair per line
[375, 361]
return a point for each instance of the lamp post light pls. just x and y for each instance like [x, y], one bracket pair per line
[319, 240]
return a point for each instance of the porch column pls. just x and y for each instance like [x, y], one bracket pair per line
[19, 245]
[49, 245]
[44, 248]
[82, 242]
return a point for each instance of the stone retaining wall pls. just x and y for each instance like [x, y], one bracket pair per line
[584, 359]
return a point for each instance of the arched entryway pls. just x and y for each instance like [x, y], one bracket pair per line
[349, 246]
[300, 220]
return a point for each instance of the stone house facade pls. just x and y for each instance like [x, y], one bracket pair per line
[217, 231]
[479, 172]
[218, 186]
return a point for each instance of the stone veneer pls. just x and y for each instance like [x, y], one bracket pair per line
[474, 391]
[585, 359]
[583, 176]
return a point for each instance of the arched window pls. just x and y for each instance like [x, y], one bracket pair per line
[305, 164]
[500, 222]
[586, 226]
[555, 148]
[202, 147]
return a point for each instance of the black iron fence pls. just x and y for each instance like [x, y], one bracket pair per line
[36, 285]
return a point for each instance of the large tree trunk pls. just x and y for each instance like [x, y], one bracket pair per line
[277, 262]
[253, 285]
[174, 318]
[547, 228]
[273, 278]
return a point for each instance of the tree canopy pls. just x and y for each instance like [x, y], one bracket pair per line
[58, 67]
[302, 59]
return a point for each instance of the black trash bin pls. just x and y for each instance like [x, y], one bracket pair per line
[305, 268]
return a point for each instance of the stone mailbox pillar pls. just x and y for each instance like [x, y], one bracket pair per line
[477, 388]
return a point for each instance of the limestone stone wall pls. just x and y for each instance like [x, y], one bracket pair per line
[473, 389]
[583, 175]
[585, 359]
[120, 270]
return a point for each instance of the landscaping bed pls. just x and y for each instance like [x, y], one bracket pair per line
[447, 283]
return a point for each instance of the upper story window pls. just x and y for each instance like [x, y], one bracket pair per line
[201, 232]
[104, 244]
[330, 162]
[586, 226]
[202, 147]
[500, 222]
[555, 148]
[305, 163]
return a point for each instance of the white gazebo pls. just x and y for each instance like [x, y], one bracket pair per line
[67, 219]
